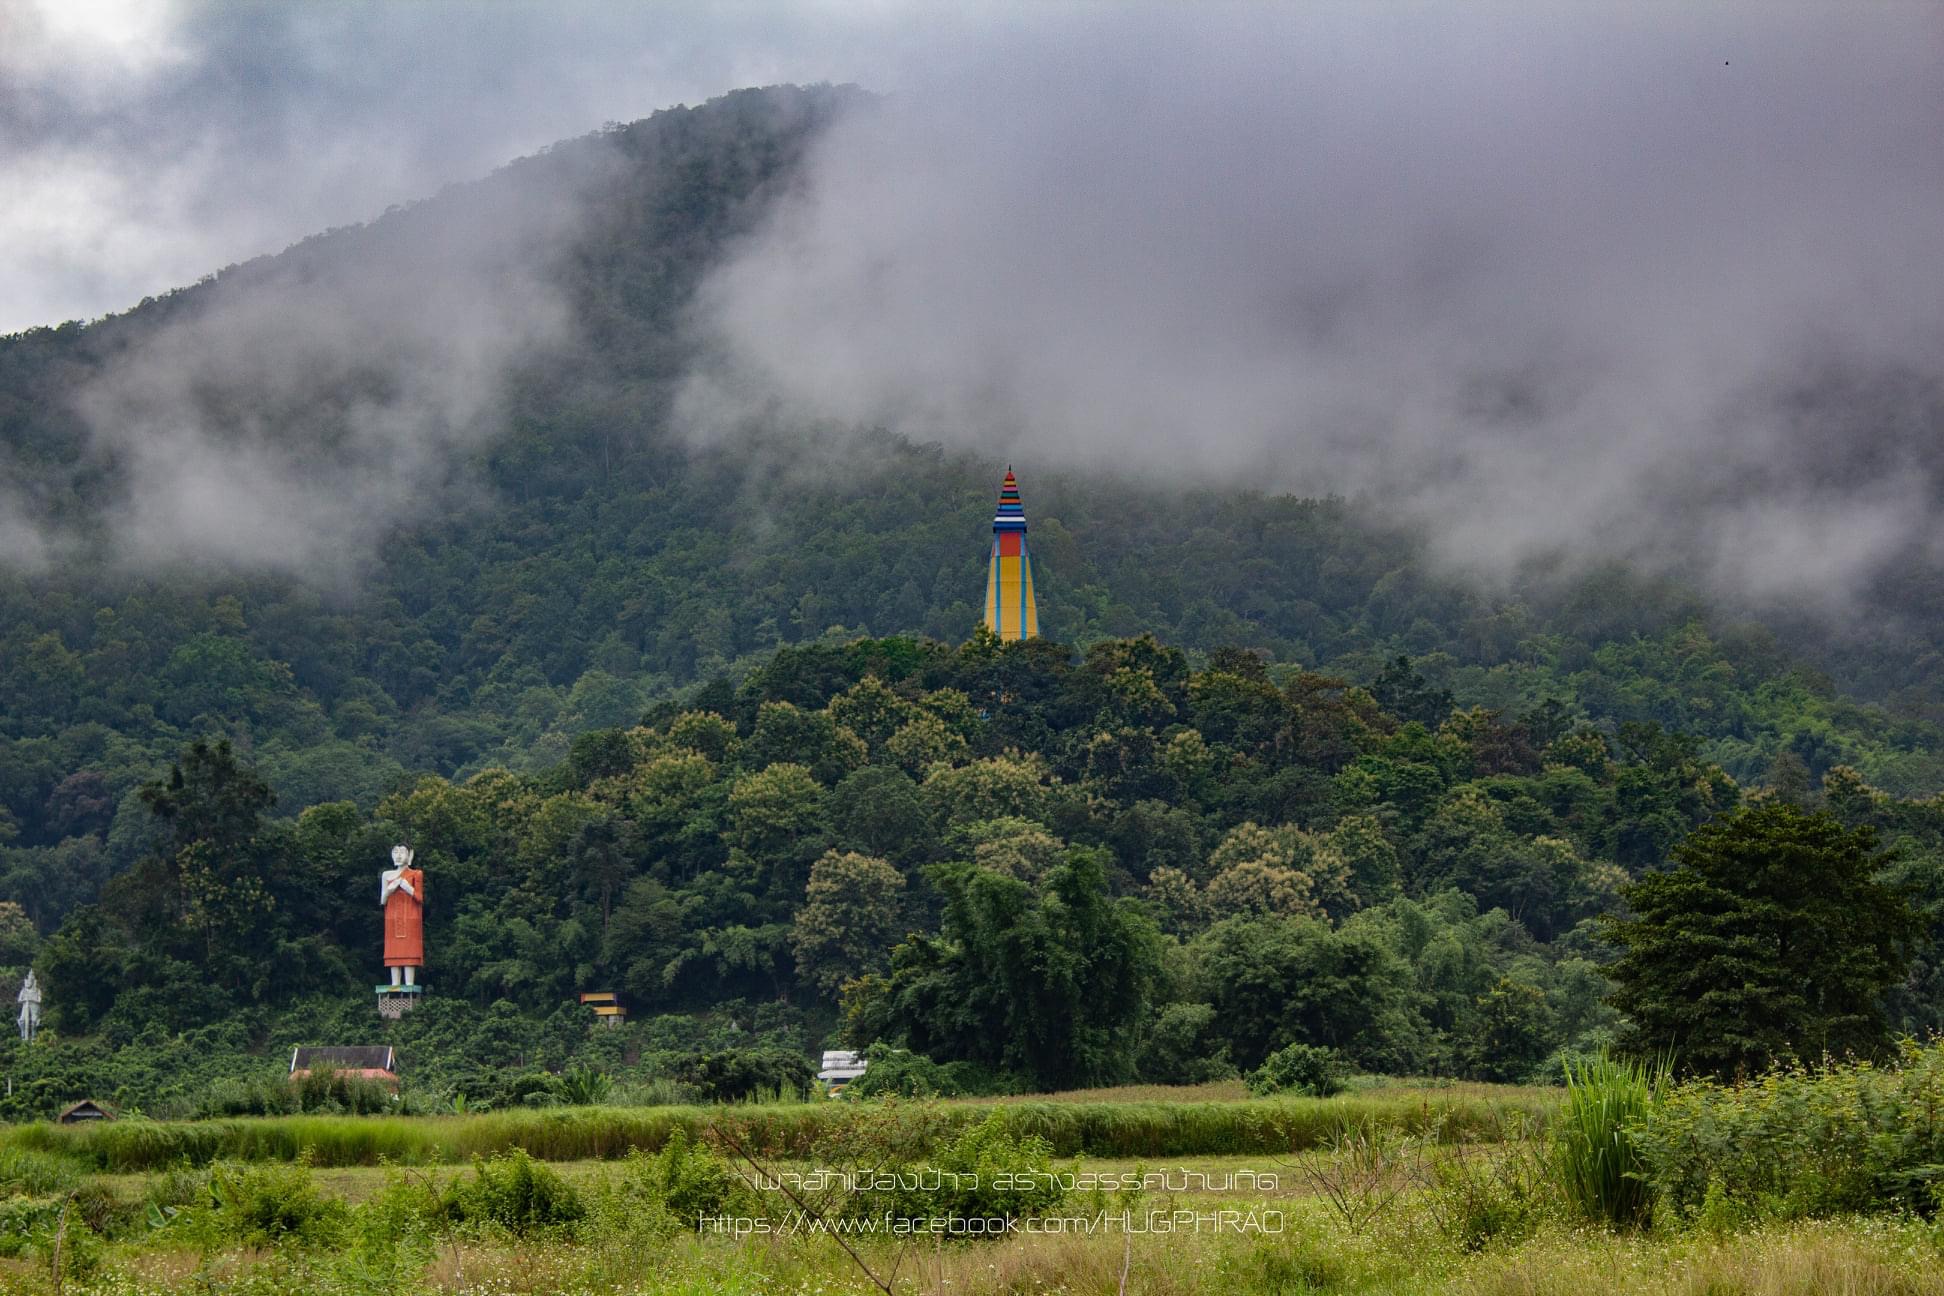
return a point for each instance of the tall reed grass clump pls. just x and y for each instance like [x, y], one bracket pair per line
[27, 1173]
[1597, 1160]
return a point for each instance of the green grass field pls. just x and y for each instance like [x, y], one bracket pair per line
[1396, 1189]
[1314, 1253]
[1110, 1123]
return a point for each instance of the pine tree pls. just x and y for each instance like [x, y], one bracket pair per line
[1773, 939]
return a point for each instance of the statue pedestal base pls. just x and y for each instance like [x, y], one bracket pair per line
[395, 1001]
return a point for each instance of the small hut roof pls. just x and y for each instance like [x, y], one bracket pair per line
[342, 1057]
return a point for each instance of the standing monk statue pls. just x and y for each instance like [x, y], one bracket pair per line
[402, 893]
[30, 1001]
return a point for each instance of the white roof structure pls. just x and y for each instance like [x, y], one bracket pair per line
[840, 1065]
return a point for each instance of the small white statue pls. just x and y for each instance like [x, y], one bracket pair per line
[30, 1002]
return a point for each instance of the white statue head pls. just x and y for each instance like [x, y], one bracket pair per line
[401, 857]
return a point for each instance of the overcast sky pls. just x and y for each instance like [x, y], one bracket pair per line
[145, 143]
[1663, 282]
[1548, 277]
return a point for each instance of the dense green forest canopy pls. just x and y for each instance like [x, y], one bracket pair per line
[1345, 763]
[1049, 867]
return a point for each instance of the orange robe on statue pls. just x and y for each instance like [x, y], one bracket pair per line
[405, 922]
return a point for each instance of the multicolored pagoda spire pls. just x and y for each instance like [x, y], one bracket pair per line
[1010, 611]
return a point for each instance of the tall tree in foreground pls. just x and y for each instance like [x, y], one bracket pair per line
[211, 880]
[849, 919]
[1047, 979]
[191, 930]
[1772, 939]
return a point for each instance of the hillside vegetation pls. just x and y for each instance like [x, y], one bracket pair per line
[1033, 869]
[1290, 782]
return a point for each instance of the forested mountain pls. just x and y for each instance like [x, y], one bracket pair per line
[568, 558]
[1049, 870]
